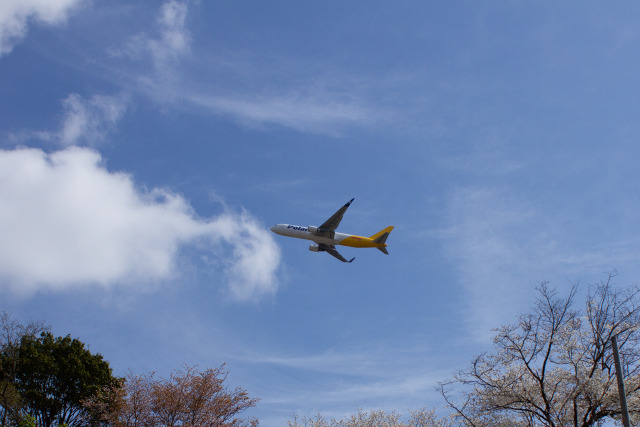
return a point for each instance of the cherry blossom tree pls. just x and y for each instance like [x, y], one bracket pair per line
[188, 398]
[554, 366]
[377, 418]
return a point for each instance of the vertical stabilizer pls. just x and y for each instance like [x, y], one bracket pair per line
[381, 237]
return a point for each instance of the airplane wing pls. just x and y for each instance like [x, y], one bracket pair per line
[328, 229]
[331, 250]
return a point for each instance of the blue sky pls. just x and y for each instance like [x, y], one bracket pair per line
[146, 149]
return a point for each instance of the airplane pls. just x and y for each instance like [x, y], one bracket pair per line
[325, 237]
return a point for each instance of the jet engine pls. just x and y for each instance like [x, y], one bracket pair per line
[315, 248]
[313, 230]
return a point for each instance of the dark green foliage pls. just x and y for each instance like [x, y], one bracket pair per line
[55, 376]
[11, 334]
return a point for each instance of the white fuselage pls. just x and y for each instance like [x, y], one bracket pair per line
[303, 233]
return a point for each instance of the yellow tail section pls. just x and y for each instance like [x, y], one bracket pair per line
[376, 241]
[381, 233]
[380, 238]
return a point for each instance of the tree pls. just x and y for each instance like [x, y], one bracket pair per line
[11, 334]
[188, 398]
[378, 418]
[54, 376]
[554, 366]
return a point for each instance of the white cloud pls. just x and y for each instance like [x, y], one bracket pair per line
[171, 42]
[305, 113]
[15, 15]
[90, 120]
[502, 244]
[66, 221]
[84, 122]
[174, 38]
[499, 247]
[273, 91]
[160, 53]
[378, 376]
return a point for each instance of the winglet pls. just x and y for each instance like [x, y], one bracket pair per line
[351, 260]
[329, 226]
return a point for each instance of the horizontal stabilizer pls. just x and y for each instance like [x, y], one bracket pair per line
[382, 238]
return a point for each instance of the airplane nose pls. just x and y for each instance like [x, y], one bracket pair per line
[273, 228]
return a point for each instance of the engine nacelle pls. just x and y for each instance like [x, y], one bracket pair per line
[313, 230]
[315, 248]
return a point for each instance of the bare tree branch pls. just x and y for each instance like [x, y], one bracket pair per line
[553, 366]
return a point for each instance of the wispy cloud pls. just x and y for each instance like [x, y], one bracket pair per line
[170, 40]
[372, 377]
[317, 114]
[174, 38]
[502, 244]
[497, 244]
[160, 52]
[84, 121]
[267, 91]
[90, 120]
[16, 14]
[68, 222]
